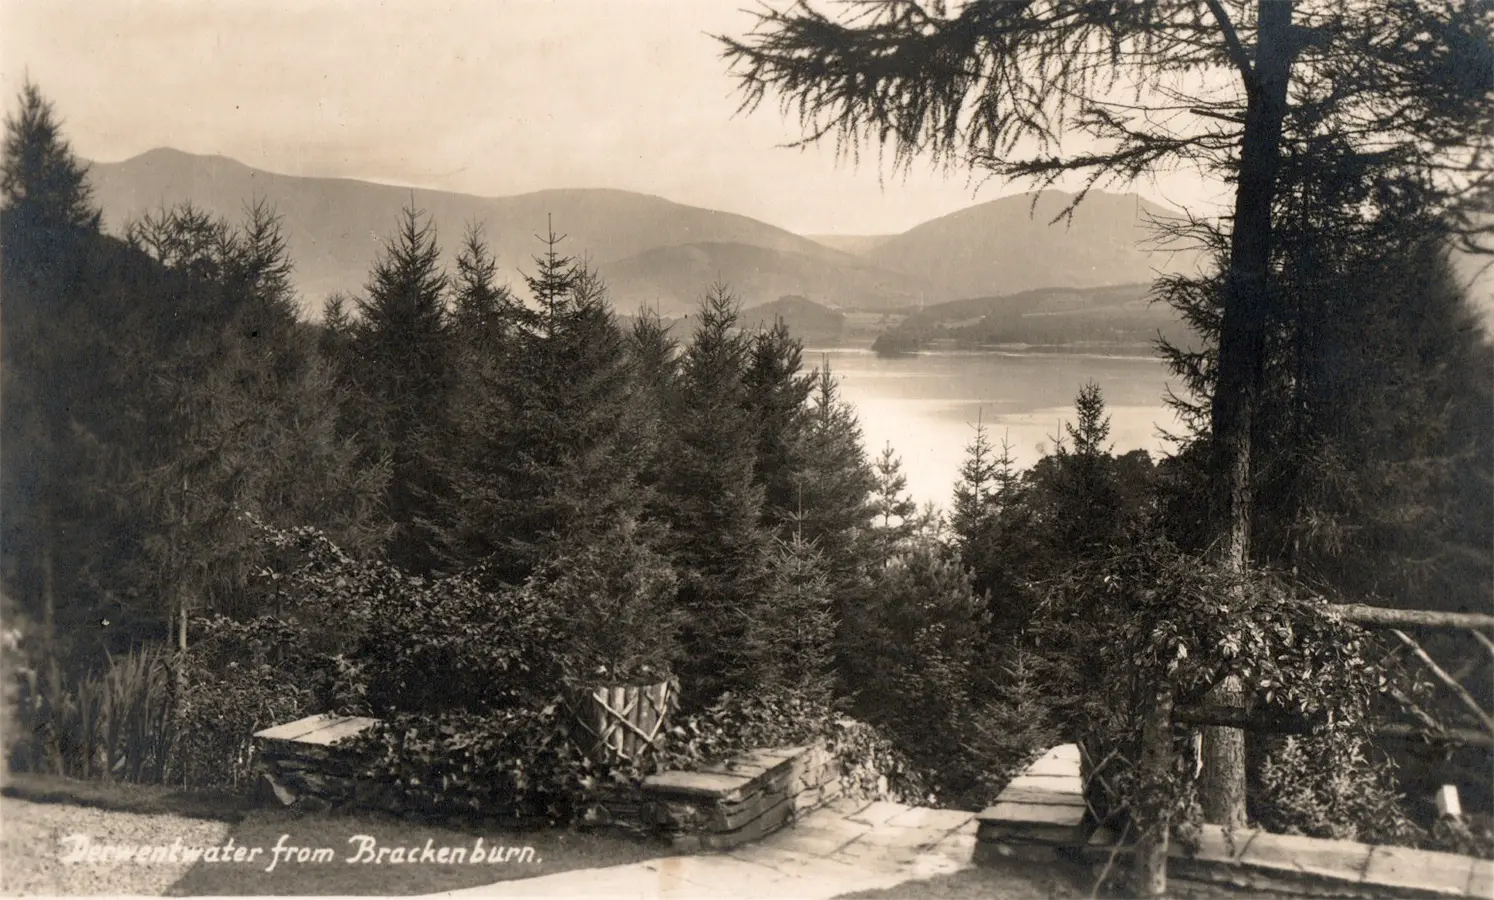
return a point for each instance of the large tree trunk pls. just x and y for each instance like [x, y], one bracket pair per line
[1149, 871]
[1241, 361]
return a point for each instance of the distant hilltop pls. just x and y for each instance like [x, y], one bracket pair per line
[662, 255]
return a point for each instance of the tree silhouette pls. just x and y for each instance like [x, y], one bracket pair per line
[1223, 86]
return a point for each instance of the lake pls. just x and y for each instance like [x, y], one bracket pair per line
[927, 405]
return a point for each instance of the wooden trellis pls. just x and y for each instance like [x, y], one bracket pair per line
[1477, 729]
[623, 723]
[1150, 873]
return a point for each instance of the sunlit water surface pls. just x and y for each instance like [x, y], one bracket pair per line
[926, 406]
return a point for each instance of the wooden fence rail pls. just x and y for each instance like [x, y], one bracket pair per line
[1149, 876]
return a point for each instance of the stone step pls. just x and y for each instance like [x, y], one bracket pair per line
[1286, 863]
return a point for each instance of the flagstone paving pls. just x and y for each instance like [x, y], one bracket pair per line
[844, 847]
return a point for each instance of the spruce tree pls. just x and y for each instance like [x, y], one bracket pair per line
[484, 313]
[972, 514]
[894, 514]
[789, 629]
[335, 337]
[402, 378]
[45, 186]
[551, 435]
[711, 499]
[833, 482]
[654, 354]
[776, 394]
[54, 364]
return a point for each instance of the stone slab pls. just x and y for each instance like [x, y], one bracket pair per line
[923, 817]
[338, 730]
[908, 838]
[846, 807]
[1064, 751]
[1031, 813]
[878, 812]
[292, 730]
[735, 767]
[1054, 784]
[1481, 882]
[771, 857]
[700, 784]
[1420, 870]
[818, 839]
[1053, 766]
[716, 841]
[1040, 796]
[1296, 854]
[1214, 843]
[956, 846]
[876, 857]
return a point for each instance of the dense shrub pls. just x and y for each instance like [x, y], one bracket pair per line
[1113, 630]
[871, 764]
[1331, 786]
[518, 764]
[240, 677]
[913, 658]
[621, 623]
[433, 645]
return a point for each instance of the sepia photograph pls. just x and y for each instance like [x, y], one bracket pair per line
[794, 449]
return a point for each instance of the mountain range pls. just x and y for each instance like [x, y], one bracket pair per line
[658, 254]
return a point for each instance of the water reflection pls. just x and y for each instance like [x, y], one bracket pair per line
[926, 406]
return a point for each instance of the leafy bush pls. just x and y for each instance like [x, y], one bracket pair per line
[1469, 835]
[1112, 630]
[435, 645]
[736, 723]
[240, 677]
[516, 764]
[1331, 786]
[871, 765]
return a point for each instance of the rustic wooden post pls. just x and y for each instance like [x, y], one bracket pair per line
[1149, 871]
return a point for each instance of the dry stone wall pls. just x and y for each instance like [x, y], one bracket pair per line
[717, 806]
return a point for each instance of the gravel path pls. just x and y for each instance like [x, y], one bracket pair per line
[34, 839]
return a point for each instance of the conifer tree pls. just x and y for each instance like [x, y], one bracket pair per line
[334, 339]
[484, 312]
[894, 514]
[243, 421]
[710, 496]
[551, 443]
[971, 516]
[655, 365]
[911, 654]
[45, 187]
[789, 629]
[776, 394]
[402, 378]
[54, 363]
[833, 481]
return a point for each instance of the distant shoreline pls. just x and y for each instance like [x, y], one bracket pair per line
[1091, 351]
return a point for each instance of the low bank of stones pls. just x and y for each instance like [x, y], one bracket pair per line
[716, 807]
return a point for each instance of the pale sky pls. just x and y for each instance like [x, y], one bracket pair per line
[490, 98]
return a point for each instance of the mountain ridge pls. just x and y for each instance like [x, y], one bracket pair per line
[651, 251]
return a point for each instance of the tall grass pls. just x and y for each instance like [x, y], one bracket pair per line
[117, 723]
